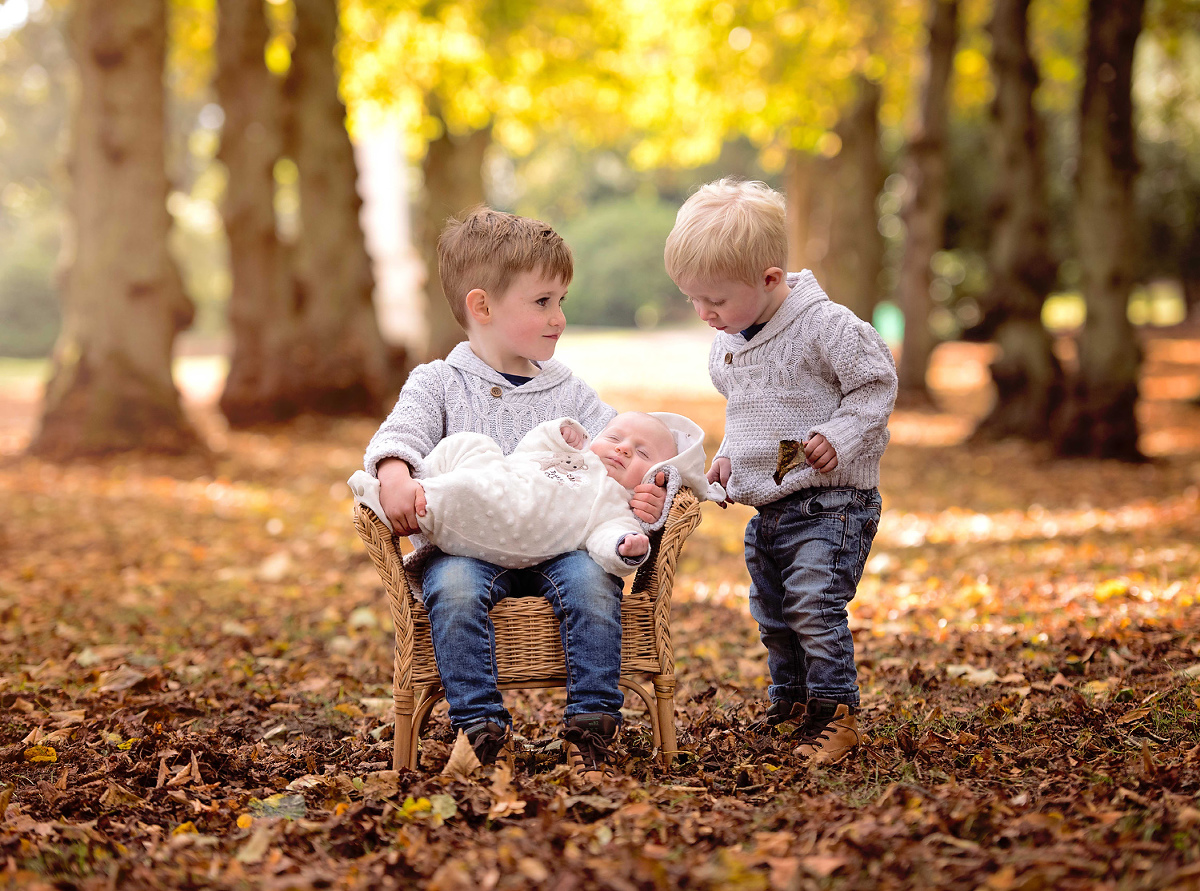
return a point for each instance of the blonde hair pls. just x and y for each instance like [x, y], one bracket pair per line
[488, 248]
[729, 229]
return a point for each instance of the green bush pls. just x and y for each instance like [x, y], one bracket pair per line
[29, 311]
[619, 276]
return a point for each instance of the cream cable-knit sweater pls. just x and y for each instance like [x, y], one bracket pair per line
[815, 367]
[463, 394]
[521, 509]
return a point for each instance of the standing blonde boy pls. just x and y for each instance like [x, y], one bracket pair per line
[809, 388]
[505, 278]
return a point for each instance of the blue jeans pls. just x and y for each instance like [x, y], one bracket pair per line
[805, 553]
[459, 593]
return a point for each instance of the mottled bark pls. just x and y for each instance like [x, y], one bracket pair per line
[800, 184]
[1027, 375]
[337, 357]
[123, 301]
[251, 144]
[1100, 419]
[854, 259]
[924, 211]
[453, 176]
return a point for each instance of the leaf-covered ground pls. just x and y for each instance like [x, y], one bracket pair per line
[195, 673]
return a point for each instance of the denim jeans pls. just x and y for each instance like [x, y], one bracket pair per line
[805, 553]
[459, 593]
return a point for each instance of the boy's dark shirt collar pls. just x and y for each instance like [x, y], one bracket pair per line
[516, 379]
[749, 333]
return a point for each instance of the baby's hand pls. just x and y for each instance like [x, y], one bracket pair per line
[719, 473]
[648, 500]
[633, 545]
[820, 454]
[573, 437]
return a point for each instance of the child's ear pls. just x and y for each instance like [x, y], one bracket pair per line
[478, 306]
[773, 277]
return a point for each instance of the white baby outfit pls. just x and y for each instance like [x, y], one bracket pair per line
[519, 510]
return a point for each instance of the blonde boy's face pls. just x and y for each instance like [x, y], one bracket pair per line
[630, 445]
[523, 323]
[733, 306]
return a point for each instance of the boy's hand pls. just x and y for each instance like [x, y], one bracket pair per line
[719, 473]
[820, 454]
[572, 436]
[648, 500]
[633, 545]
[402, 497]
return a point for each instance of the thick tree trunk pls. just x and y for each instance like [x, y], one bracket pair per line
[1028, 377]
[854, 260]
[338, 361]
[251, 144]
[800, 184]
[924, 212]
[111, 388]
[453, 174]
[1100, 419]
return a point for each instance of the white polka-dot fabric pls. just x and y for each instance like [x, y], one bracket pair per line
[544, 499]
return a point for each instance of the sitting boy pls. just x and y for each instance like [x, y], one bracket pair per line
[505, 278]
[548, 497]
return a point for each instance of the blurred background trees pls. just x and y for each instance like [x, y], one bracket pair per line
[1020, 171]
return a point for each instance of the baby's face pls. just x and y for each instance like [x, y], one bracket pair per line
[630, 445]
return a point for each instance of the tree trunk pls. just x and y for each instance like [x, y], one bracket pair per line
[800, 177]
[111, 388]
[251, 144]
[1100, 419]
[854, 259]
[924, 212]
[338, 361]
[453, 174]
[1028, 377]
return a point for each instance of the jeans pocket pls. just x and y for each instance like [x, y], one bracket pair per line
[870, 527]
[829, 502]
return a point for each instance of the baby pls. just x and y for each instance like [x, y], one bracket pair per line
[550, 496]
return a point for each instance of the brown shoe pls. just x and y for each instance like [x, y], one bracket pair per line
[491, 742]
[781, 711]
[829, 732]
[590, 739]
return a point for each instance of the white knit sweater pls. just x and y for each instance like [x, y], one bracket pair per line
[519, 510]
[462, 393]
[815, 367]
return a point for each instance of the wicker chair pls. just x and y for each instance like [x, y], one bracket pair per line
[528, 648]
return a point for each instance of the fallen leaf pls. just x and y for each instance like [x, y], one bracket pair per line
[117, 796]
[41, 754]
[463, 761]
[822, 866]
[120, 679]
[1133, 715]
[256, 848]
[287, 806]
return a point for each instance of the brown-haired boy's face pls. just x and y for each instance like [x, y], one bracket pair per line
[525, 322]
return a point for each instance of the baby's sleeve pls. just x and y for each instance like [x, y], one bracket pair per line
[613, 520]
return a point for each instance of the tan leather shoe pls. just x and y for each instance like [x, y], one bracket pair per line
[590, 755]
[829, 733]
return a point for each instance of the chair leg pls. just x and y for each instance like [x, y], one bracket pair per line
[404, 750]
[664, 692]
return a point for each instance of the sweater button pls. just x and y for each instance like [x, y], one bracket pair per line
[729, 358]
[496, 391]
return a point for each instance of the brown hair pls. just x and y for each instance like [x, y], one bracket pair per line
[488, 248]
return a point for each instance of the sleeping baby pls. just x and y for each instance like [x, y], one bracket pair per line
[555, 493]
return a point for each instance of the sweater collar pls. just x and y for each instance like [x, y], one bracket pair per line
[464, 359]
[804, 293]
